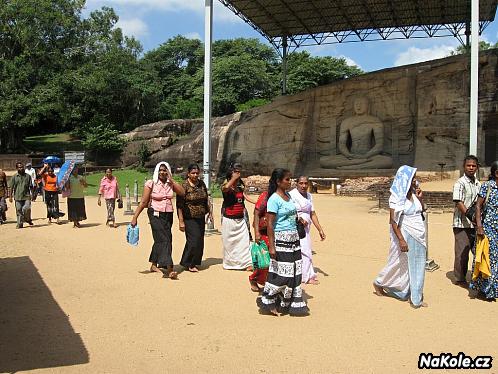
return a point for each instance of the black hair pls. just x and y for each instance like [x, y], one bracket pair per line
[193, 167]
[494, 168]
[108, 169]
[469, 158]
[276, 176]
[19, 163]
[303, 176]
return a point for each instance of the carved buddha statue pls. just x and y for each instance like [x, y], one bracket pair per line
[361, 142]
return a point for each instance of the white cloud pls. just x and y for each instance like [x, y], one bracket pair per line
[350, 61]
[133, 27]
[220, 12]
[169, 5]
[193, 35]
[415, 54]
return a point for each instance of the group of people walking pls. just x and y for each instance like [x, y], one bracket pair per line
[475, 221]
[280, 213]
[24, 185]
[276, 215]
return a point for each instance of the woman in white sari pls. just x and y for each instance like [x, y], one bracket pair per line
[305, 210]
[403, 276]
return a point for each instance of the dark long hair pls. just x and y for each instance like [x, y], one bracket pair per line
[276, 176]
[230, 171]
[494, 168]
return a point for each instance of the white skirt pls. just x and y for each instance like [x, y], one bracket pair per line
[236, 244]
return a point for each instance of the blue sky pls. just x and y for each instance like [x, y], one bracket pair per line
[155, 21]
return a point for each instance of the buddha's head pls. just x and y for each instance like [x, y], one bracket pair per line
[360, 105]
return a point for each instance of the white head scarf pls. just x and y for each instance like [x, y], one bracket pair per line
[400, 187]
[155, 176]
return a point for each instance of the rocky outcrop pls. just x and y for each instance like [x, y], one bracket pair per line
[422, 109]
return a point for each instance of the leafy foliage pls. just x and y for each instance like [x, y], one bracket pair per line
[143, 154]
[60, 72]
[101, 136]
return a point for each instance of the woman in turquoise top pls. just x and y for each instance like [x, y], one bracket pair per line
[282, 292]
[76, 200]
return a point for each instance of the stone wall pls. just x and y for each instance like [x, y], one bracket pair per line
[416, 114]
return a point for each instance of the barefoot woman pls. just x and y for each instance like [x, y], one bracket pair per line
[282, 292]
[157, 196]
[404, 273]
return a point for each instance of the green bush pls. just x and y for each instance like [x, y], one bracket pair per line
[143, 154]
[100, 136]
[253, 103]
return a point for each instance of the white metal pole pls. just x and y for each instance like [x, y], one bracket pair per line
[284, 66]
[208, 41]
[474, 77]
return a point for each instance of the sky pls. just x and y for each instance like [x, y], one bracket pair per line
[153, 22]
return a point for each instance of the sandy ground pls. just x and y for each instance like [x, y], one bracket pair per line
[79, 301]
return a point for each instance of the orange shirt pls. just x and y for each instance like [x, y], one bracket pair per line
[50, 183]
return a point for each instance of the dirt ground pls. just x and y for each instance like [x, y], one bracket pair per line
[81, 301]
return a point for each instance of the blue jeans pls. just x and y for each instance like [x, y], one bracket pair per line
[23, 210]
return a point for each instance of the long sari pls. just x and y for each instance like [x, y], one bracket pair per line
[403, 276]
[304, 206]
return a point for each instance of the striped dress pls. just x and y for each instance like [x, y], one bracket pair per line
[282, 289]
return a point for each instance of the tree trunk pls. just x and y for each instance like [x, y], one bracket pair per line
[11, 139]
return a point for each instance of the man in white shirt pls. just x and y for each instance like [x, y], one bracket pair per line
[465, 193]
[31, 172]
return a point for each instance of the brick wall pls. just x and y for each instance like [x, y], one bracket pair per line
[433, 199]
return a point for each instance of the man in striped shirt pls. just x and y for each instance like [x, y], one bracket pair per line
[465, 193]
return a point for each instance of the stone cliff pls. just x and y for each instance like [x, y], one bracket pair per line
[367, 125]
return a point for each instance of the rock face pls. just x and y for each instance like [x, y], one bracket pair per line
[416, 114]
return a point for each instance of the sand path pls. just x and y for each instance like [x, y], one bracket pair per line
[76, 301]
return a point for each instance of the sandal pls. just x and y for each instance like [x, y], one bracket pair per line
[172, 275]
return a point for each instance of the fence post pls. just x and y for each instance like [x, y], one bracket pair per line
[128, 211]
[210, 229]
[135, 193]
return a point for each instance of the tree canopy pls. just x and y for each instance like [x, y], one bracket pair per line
[60, 71]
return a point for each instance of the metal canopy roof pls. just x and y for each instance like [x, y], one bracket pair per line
[311, 22]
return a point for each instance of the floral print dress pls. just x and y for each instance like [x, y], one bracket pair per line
[489, 286]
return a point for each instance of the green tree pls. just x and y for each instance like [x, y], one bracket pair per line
[35, 39]
[464, 49]
[306, 71]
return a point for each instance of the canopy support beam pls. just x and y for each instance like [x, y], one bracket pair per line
[474, 78]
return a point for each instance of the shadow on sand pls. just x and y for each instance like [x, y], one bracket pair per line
[35, 332]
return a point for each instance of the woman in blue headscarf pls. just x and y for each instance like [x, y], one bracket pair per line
[403, 276]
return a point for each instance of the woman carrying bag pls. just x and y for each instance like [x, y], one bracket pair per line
[157, 198]
[109, 188]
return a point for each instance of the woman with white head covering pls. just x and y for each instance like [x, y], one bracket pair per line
[157, 198]
[403, 276]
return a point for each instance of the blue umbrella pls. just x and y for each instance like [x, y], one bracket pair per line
[65, 173]
[52, 160]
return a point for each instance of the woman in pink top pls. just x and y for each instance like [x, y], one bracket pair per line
[157, 196]
[110, 190]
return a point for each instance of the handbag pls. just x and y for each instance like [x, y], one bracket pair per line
[300, 228]
[260, 255]
[120, 204]
[132, 235]
[472, 209]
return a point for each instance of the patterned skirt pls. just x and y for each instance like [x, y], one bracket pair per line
[283, 290]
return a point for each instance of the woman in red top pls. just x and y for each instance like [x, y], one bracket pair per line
[234, 229]
[51, 192]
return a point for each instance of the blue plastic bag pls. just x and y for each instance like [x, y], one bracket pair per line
[132, 235]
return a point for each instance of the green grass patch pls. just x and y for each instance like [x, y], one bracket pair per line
[125, 176]
[129, 176]
[53, 143]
